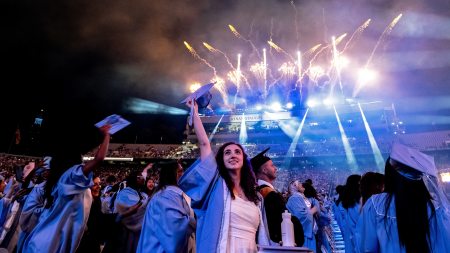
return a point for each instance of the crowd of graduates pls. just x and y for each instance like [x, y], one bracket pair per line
[224, 202]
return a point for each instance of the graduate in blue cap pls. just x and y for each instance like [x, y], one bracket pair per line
[412, 215]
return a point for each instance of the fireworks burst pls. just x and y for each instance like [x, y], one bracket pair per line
[234, 77]
[258, 70]
[287, 69]
[263, 71]
[220, 86]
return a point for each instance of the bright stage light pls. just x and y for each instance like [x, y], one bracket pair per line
[328, 101]
[445, 177]
[289, 105]
[365, 76]
[195, 86]
[275, 106]
[312, 103]
[258, 107]
[341, 62]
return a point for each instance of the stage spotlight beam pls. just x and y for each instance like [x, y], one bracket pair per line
[141, 106]
[351, 160]
[379, 160]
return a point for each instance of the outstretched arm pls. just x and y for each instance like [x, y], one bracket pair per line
[202, 138]
[101, 152]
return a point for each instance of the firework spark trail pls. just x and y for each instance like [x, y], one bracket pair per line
[251, 28]
[237, 34]
[314, 58]
[337, 64]
[194, 53]
[312, 50]
[220, 86]
[383, 35]
[356, 33]
[296, 24]
[215, 50]
[265, 73]
[280, 50]
[209, 47]
[386, 32]
[340, 38]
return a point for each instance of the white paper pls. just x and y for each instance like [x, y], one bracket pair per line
[116, 122]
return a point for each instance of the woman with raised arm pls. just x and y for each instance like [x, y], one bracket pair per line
[169, 221]
[68, 201]
[230, 212]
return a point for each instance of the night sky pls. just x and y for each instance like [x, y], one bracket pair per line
[80, 61]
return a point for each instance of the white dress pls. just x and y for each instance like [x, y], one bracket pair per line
[244, 222]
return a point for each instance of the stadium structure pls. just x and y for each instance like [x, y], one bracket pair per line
[349, 134]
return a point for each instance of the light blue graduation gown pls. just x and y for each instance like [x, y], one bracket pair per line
[350, 219]
[31, 212]
[132, 224]
[167, 223]
[61, 227]
[211, 201]
[296, 206]
[373, 236]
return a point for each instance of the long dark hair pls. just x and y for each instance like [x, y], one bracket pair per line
[167, 174]
[412, 200]
[339, 191]
[310, 191]
[59, 164]
[352, 193]
[371, 183]
[248, 179]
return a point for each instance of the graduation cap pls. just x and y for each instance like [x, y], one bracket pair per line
[259, 160]
[413, 158]
[202, 96]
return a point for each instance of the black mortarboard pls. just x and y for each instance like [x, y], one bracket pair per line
[259, 160]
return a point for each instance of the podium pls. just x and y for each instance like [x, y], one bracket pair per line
[281, 249]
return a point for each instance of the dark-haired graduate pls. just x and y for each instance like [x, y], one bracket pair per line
[230, 212]
[169, 222]
[68, 201]
[412, 215]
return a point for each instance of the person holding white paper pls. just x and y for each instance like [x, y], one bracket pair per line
[68, 202]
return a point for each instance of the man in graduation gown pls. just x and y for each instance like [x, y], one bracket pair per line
[274, 203]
